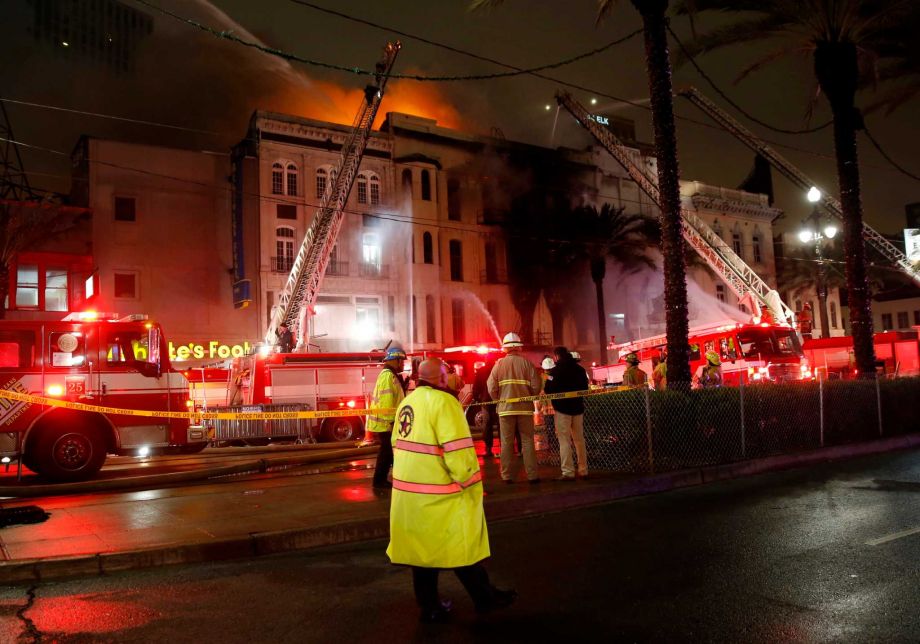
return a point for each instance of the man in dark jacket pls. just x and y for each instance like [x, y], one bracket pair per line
[481, 394]
[570, 412]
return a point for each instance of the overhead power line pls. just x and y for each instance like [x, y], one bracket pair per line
[885, 156]
[728, 99]
[229, 35]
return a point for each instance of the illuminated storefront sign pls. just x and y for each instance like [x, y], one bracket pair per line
[603, 120]
[213, 349]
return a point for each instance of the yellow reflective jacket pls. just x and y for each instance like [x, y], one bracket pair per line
[634, 377]
[388, 393]
[436, 516]
[514, 377]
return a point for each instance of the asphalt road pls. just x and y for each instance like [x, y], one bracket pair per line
[828, 554]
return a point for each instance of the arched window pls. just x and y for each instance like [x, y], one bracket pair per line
[362, 188]
[717, 227]
[453, 199]
[427, 249]
[426, 185]
[277, 179]
[456, 260]
[755, 247]
[322, 178]
[737, 244]
[431, 320]
[407, 183]
[375, 189]
[284, 249]
[291, 180]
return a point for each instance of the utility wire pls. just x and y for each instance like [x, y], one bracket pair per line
[229, 35]
[725, 96]
[884, 154]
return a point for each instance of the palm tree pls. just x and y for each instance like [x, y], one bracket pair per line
[848, 40]
[611, 234]
[658, 67]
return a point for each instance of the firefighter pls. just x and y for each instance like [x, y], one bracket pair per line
[660, 372]
[388, 393]
[436, 516]
[711, 373]
[514, 377]
[634, 376]
[285, 339]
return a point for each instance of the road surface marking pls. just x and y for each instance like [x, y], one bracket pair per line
[892, 537]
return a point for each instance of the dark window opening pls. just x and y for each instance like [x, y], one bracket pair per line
[453, 199]
[456, 260]
[287, 211]
[426, 185]
[125, 209]
[427, 248]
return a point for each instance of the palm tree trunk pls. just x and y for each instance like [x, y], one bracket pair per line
[837, 72]
[672, 244]
[601, 320]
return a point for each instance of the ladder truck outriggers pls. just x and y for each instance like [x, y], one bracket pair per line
[831, 205]
[300, 381]
[720, 257]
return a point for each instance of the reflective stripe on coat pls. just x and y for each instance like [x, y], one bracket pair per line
[388, 393]
[514, 377]
[436, 515]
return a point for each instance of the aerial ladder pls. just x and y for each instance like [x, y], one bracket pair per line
[296, 300]
[720, 257]
[875, 239]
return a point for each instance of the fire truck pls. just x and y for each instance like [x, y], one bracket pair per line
[896, 353]
[269, 382]
[761, 352]
[97, 359]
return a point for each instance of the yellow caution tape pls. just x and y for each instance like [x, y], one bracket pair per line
[198, 416]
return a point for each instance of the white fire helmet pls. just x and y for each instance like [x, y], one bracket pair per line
[575, 355]
[548, 363]
[512, 339]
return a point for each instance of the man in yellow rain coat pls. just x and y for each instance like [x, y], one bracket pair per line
[388, 393]
[436, 516]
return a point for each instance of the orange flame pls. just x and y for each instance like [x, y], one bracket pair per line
[327, 101]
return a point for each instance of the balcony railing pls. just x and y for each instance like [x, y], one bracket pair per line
[493, 276]
[377, 271]
[337, 269]
[282, 264]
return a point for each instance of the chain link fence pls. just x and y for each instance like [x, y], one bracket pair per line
[642, 431]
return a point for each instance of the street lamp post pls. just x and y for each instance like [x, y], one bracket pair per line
[812, 232]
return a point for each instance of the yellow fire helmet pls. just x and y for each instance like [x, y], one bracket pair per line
[632, 358]
[713, 358]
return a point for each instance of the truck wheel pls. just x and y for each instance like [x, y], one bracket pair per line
[477, 417]
[342, 430]
[68, 453]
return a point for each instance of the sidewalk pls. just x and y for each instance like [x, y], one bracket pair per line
[107, 532]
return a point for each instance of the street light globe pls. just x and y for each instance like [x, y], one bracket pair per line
[804, 236]
[830, 231]
[814, 195]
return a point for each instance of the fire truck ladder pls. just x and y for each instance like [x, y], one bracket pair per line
[720, 257]
[299, 294]
[888, 250]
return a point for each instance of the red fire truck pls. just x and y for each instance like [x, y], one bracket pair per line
[96, 359]
[896, 353]
[755, 352]
[287, 382]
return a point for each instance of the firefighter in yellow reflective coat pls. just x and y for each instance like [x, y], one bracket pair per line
[436, 515]
[388, 393]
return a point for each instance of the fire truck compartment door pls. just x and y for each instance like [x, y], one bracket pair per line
[143, 435]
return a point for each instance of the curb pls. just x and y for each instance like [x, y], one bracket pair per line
[269, 543]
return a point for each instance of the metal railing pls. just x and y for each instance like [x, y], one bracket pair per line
[378, 271]
[641, 430]
[337, 269]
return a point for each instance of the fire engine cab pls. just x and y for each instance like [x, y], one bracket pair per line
[761, 352]
[268, 382]
[96, 359]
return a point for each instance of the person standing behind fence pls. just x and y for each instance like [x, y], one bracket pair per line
[388, 393]
[711, 373]
[436, 516]
[634, 376]
[514, 377]
[568, 376]
[481, 395]
[660, 372]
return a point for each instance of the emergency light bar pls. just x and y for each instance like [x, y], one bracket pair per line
[97, 316]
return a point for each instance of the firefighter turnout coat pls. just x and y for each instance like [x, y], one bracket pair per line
[514, 377]
[436, 515]
[388, 393]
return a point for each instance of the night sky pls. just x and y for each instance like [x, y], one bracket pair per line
[184, 77]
